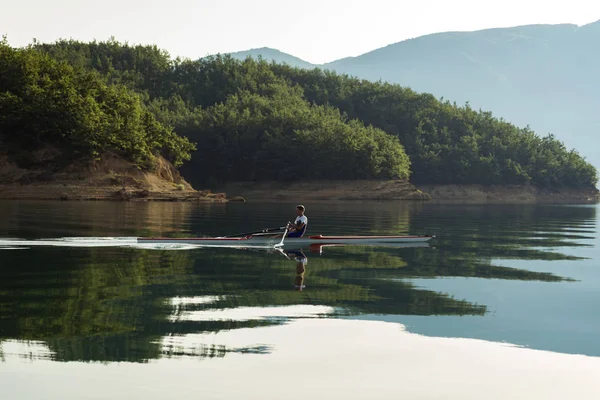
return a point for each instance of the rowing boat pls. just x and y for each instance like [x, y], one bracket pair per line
[273, 240]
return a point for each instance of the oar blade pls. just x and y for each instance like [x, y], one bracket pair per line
[282, 238]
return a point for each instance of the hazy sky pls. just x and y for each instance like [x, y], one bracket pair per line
[314, 30]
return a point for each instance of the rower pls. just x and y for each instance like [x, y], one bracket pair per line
[298, 228]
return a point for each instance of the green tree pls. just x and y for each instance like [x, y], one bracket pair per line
[48, 102]
[207, 100]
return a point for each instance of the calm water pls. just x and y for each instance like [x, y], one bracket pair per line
[502, 303]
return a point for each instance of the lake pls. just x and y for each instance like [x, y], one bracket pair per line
[502, 303]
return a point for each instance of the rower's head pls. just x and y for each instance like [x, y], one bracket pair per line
[300, 209]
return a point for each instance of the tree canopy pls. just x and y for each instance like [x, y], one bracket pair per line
[447, 143]
[44, 101]
[254, 120]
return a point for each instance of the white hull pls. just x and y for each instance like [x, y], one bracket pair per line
[270, 240]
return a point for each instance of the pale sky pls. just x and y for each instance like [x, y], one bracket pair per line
[317, 31]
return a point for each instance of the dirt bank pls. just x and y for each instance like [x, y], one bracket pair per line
[109, 178]
[326, 190]
[402, 190]
[508, 194]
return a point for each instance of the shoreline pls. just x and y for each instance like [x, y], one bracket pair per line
[110, 178]
[306, 191]
[403, 190]
[82, 192]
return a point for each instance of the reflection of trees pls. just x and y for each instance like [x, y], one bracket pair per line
[511, 229]
[349, 279]
[91, 305]
[212, 351]
[112, 304]
[31, 219]
[446, 263]
[138, 348]
[109, 304]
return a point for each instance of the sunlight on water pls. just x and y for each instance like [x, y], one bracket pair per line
[24, 350]
[502, 304]
[320, 358]
[257, 313]
[179, 301]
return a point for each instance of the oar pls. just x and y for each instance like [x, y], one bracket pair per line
[282, 252]
[261, 231]
[283, 237]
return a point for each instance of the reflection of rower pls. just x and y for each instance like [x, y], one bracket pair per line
[301, 261]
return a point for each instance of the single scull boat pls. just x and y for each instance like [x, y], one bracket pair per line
[271, 239]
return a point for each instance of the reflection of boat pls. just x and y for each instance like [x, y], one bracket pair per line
[276, 239]
[318, 247]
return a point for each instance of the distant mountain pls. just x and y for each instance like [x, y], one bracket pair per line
[545, 76]
[274, 55]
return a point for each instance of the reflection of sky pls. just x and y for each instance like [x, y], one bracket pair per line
[540, 315]
[557, 316]
[308, 356]
[257, 313]
[319, 358]
[32, 349]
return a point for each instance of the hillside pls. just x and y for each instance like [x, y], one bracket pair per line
[65, 132]
[109, 177]
[544, 76]
[223, 120]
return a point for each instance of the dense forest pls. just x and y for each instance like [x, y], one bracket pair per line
[47, 102]
[253, 120]
[542, 75]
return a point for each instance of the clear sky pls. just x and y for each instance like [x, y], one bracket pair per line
[317, 31]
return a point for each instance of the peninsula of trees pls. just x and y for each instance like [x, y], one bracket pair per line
[227, 120]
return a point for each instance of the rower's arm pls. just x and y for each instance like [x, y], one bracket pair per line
[299, 226]
[295, 227]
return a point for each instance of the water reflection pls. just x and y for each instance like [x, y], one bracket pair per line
[129, 304]
[311, 356]
[301, 260]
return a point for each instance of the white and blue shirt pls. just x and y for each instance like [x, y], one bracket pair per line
[302, 219]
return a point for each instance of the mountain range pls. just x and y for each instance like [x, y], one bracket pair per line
[544, 76]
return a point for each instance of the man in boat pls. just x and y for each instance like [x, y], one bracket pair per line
[298, 228]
